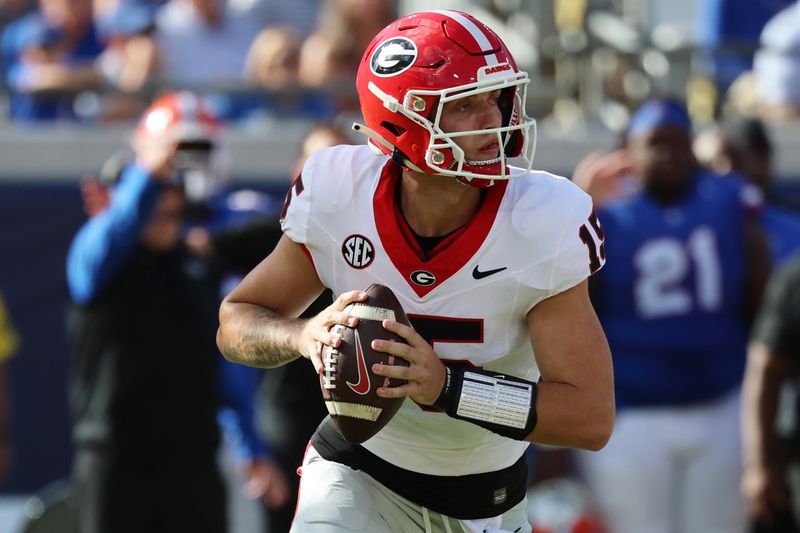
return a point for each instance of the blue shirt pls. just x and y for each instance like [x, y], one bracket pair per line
[27, 107]
[670, 297]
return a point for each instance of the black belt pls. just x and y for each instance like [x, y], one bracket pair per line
[466, 497]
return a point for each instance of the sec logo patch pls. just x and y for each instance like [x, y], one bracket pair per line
[358, 251]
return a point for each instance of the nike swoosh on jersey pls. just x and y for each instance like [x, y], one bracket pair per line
[362, 385]
[480, 274]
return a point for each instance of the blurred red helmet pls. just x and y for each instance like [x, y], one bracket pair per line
[424, 60]
[201, 158]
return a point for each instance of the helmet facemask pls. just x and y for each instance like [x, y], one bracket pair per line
[516, 136]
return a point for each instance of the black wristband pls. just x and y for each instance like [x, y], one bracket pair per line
[447, 390]
[514, 416]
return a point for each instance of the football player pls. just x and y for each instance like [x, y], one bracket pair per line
[489, 260]
[690, 263]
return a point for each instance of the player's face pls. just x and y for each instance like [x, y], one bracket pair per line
[477, 112]
[163, 231]
[664, 157]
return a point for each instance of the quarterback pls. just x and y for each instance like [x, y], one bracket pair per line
[489, 260]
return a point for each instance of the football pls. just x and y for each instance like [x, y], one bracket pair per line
[347, 382]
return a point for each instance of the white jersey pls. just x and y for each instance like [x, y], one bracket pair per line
[530, 239]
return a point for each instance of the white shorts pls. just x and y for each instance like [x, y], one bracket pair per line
[669, 469]
[334, 498]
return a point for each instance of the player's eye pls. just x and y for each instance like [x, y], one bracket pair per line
[465, 106]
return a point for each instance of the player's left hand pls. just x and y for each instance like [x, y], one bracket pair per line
[425, 373]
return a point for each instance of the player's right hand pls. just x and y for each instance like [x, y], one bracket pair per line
[156, 158]
[602, 176]
[766, 493]
[317, 333]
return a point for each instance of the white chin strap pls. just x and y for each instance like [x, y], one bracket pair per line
[375, 138]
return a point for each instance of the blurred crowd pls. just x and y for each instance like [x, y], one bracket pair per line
[101, 61]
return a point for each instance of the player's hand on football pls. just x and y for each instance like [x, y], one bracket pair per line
[317, 331]
[425, 373]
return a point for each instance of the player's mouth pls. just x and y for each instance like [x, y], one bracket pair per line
[490, 149]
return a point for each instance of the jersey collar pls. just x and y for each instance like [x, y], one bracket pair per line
[422, 272]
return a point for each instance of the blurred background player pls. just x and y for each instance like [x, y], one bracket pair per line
[689, 264]
[741, 146]
[771, 480]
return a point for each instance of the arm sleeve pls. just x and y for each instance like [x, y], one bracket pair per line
[297, 206]
[106, 242]
[580, 251]
[236, 417]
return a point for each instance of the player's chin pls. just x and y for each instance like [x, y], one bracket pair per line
[479, 155]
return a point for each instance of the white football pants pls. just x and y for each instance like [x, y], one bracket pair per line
[337, 499]
[670, 470]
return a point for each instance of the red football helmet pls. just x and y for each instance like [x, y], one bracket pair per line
[201, 158]
[424, 60]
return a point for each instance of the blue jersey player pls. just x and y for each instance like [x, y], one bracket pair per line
[686, 266]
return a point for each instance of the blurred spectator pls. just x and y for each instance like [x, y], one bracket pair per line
[271, 77]
[728, 33]
[689, 266]
[8, 345]
[742, 145]
[49, 56]
[330, 56]
[205, 42]
[771, 480]
[776, 66]
[129, 59]
[288, 413]
[299, 15]
[143, 320]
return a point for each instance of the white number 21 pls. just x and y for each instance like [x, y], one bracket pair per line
[662, 268]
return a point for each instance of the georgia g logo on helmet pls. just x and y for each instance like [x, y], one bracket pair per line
[393, 56]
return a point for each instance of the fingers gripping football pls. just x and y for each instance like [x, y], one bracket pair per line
[319, 331]
[425, 374]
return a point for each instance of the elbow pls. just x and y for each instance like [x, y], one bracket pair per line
[224, 334]
[598, 432]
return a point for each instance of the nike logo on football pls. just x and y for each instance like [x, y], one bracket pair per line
[480, 274]
[362, 385]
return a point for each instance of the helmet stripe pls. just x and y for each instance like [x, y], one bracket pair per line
[474, 30]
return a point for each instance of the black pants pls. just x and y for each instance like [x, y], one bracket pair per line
[785, 521]
[116, 498]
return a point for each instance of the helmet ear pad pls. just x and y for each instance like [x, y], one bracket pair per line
[509, 109]
[410, 140]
